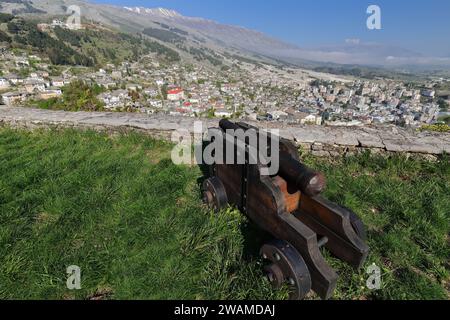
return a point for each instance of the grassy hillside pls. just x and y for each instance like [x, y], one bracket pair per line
[93, 46]
[118, 208]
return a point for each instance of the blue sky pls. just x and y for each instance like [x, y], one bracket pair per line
[419, 25]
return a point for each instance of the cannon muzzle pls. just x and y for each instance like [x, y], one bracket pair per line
[308, 181]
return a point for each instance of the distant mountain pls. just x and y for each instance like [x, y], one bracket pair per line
[19, 7]
[165, 26]
[352, 51]
[219, 41]
[232, 36]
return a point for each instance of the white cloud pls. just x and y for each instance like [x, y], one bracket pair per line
[353, 41]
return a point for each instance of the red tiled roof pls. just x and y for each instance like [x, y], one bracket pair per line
[175, 91]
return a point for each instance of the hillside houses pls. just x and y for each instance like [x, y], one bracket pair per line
[115, 100]
[13, 79]
[262, 93]
[35, 85]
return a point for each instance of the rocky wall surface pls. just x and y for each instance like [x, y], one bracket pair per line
[318, 140]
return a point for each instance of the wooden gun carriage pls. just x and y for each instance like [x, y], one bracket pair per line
[289, 207]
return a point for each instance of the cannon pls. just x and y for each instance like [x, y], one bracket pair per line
[289, 207]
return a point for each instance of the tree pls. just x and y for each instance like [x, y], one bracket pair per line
[13, 27]
[4, 37]
[77, 96]
[164, 90]
[443, 105]
[134, 95]
[4, 17]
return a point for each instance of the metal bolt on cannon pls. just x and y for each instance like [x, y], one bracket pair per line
[289, 207]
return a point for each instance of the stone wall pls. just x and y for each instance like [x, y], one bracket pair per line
[318, 140]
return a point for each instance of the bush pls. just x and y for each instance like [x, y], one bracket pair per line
[71, 37]
[4, 17]
[27, 34]
[4, 37]
[77, 96]
[436, 128]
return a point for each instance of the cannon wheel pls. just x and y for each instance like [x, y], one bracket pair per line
[287, 266]
[214, 194]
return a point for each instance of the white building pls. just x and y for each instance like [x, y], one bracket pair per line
[4, 84]
[58, 23]
[428, 93]
[50, 93]
[278, 114]
[312, 119]
[175, 94]
[12, 98]
[223, 113]
[59, 82]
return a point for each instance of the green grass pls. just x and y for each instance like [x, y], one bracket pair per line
[405, 205]
[120, 210]
[117, 207]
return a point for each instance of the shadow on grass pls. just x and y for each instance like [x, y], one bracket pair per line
[204, 168]
[254, 237]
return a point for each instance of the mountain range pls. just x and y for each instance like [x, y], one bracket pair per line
[190, 32]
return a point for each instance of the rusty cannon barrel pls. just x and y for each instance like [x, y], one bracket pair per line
[225, 124]
[308, 181]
